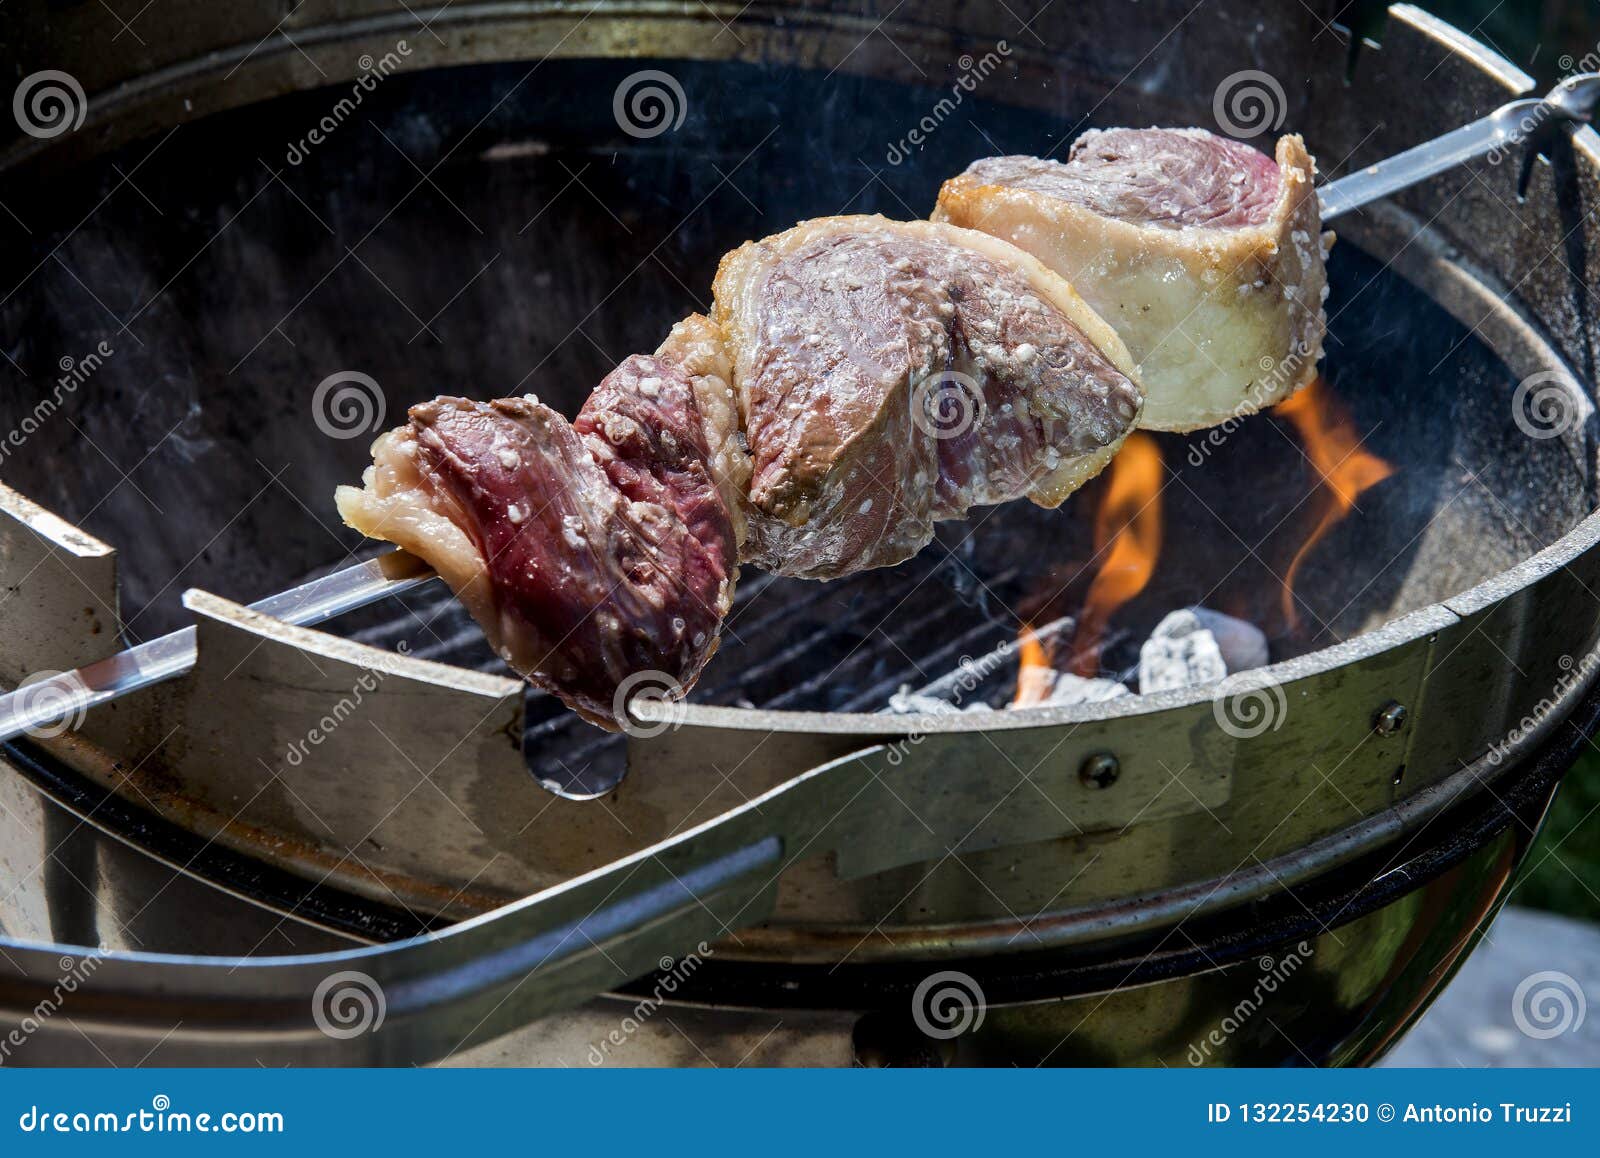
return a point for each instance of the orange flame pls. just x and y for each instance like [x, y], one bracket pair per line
[1345, 466]
[1127, 537]
[1035, 671]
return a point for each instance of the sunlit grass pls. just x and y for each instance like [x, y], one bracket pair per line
[1563, 873]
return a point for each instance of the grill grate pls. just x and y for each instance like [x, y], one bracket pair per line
[845, 647]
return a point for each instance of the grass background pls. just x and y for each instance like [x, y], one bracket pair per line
[1563, 871]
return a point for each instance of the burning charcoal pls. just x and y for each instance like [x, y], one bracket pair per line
[1035, 682]
[1179, 653]
[1243, 645]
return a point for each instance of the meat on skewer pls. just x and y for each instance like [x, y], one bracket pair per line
[860, 379]
[785, 431]
[894, 374]
[1204, 254]
[587, 551]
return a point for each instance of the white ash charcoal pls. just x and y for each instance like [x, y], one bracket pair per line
[1243, 644]
[1072, 689]
[1053, 689]
[906, 702]
[1179, 653]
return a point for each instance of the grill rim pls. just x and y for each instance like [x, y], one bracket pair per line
[1392, 638]
[254, 76]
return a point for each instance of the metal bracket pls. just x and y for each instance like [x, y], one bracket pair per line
[345, 767]
[440, 992]
[58, 592]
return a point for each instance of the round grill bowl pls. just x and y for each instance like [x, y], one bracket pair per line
[484, 220]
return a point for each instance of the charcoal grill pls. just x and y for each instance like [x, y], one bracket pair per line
[801, 869]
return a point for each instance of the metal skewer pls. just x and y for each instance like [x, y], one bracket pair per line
[1509, 126]
[47, 702]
